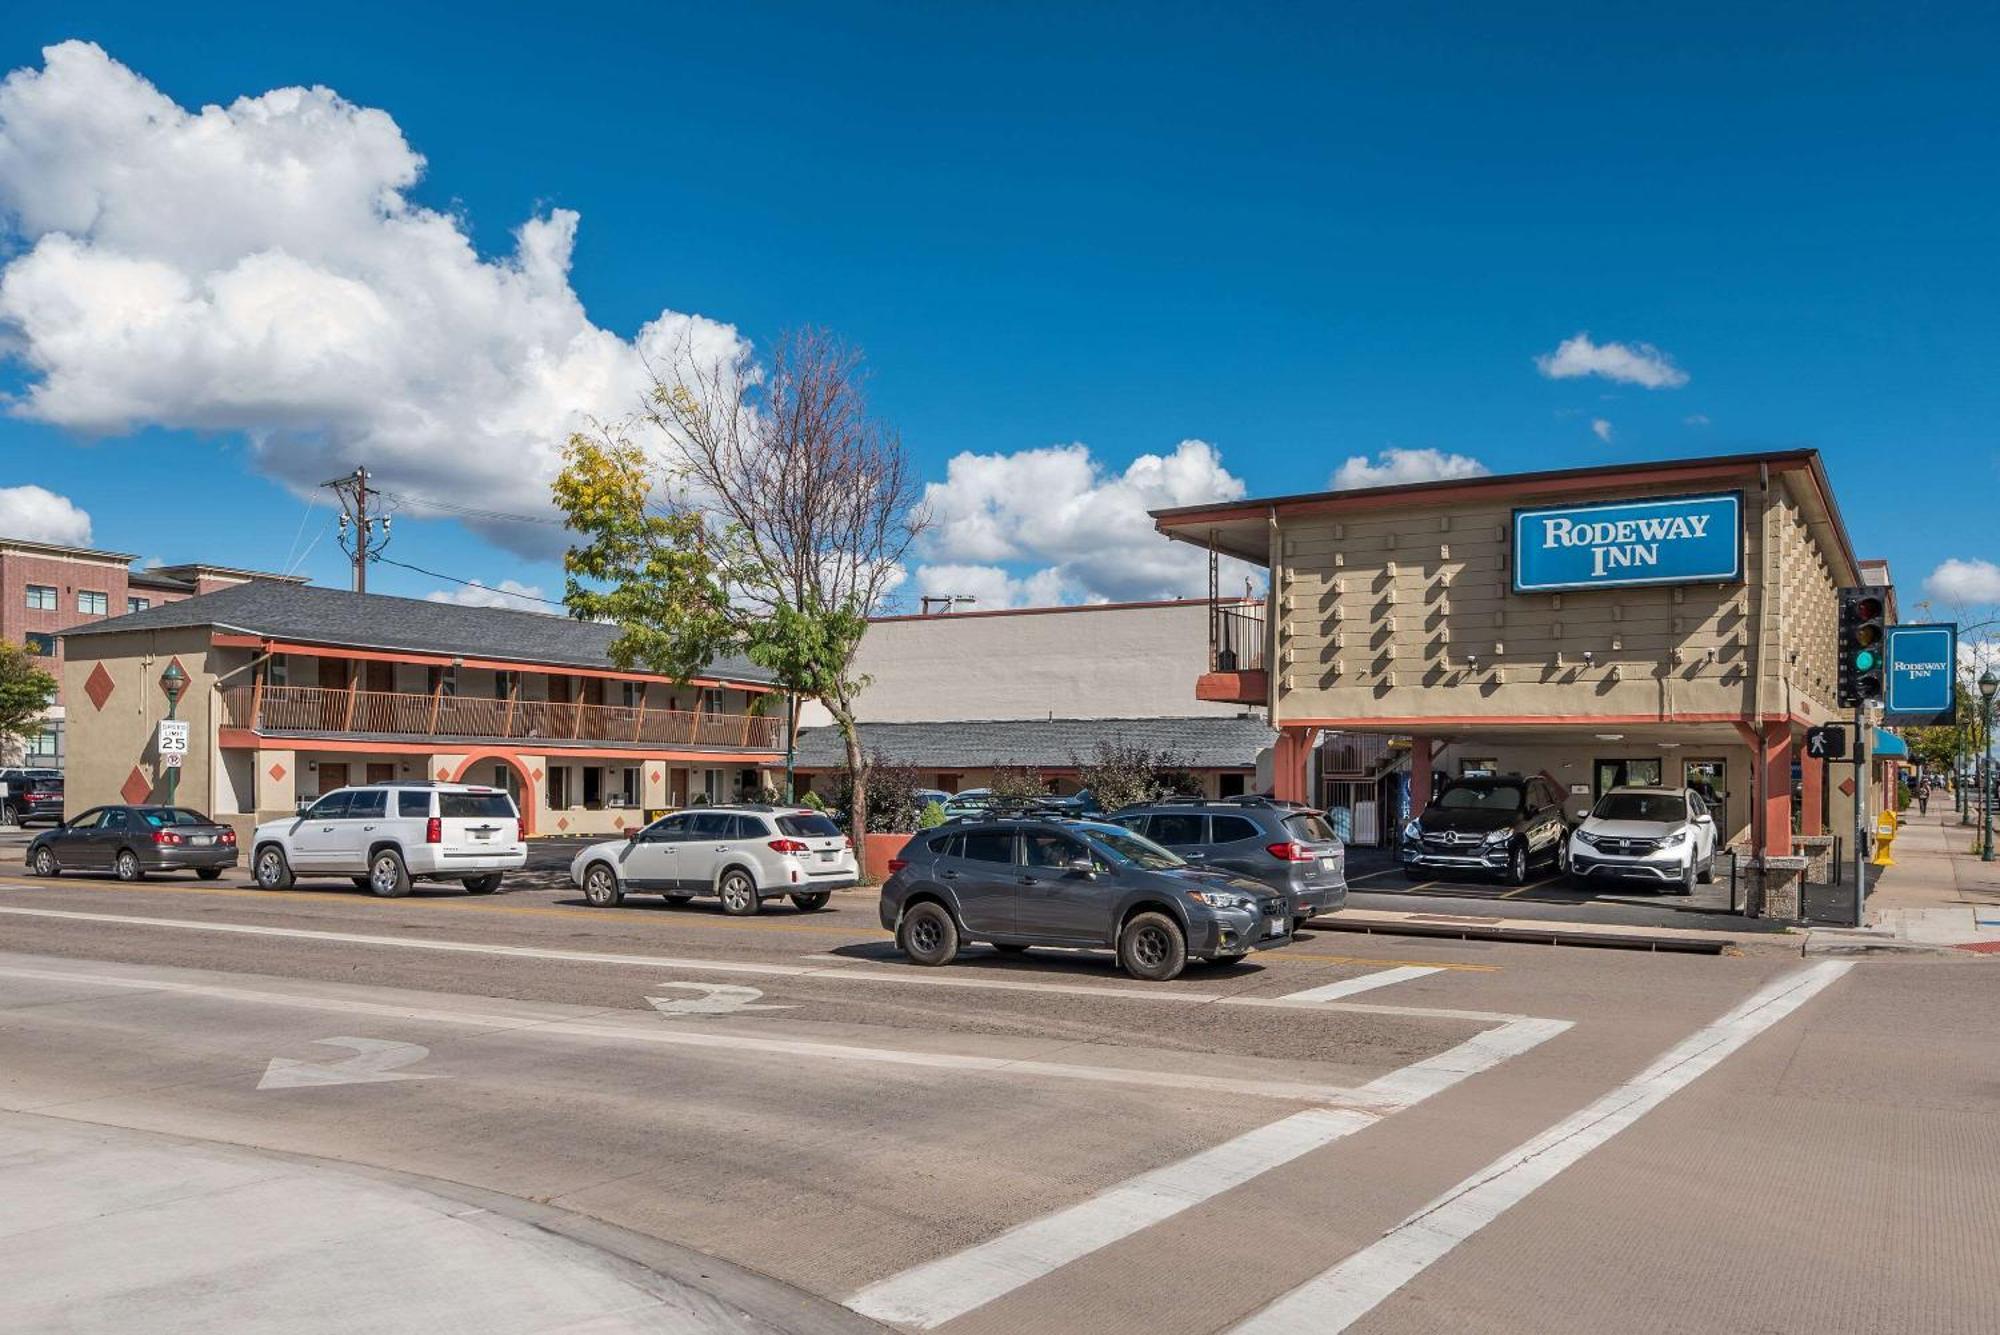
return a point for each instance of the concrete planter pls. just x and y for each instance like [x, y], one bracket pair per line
[882, 846]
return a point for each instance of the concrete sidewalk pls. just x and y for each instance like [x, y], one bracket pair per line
[1937, 894]
[104, 1229]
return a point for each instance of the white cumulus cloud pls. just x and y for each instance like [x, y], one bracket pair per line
[1627, 363]
[1602, 429]
[1964, 583]
[1395, 466]
[37, 514]
[991, 587]
[260, 268]
[1061, 527]
[509, 593]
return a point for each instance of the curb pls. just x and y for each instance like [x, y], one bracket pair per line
[1863, 941]
[1605, 936]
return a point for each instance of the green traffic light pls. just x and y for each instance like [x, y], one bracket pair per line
[1864, 661]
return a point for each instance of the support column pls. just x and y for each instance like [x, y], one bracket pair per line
[1420, 775]
[1774, 790]
[1289, 759]
[1812, 795]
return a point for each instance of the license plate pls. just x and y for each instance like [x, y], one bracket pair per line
[827, 855]
[482, 835]
[1275, 927]
[202, 840]
[1328, 863]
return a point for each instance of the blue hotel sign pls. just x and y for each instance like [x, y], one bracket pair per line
[1922, 674]
[1623, 544]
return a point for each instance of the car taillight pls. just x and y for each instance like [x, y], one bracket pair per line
[787, 846]
[1289, 852]
[520, 830]
[433, 831]
[229, 837]
[846, 844]
[165, 837]
[897, 864]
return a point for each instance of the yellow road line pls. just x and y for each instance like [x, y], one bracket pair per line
[1533, 885]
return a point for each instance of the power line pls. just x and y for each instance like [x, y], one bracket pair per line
[422, 504]
[475, 584]
[354, 493]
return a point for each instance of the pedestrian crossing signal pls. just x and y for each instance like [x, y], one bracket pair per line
[1862, 613]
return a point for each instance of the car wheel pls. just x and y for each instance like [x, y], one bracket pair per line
[45, 862]
[1152, 947]
[1517, 864]
[482, 885]
[600, 887]
[1010, 948]
[208, 873]
[1707, 876]
[1686, 885]
[811, 903]
[10, 815]
[388, 878]
[928, 935]
[273, 872]
[739, 894]
[126, 864]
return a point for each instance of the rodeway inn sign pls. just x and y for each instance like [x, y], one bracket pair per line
[1615, 545]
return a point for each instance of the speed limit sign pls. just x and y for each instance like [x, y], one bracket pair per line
[173, 739]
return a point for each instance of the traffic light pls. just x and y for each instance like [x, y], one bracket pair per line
[1861, 646]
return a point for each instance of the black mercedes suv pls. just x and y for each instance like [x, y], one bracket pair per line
[1501, 825]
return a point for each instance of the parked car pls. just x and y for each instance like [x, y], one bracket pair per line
[1082, 803]
[743, 855]
[1016, 883]
[1502, 824]
[925, 796]
[134, 842]
[384, 836]
[32, 795]
[968, 802]
[1664, 837]
[1288, 847]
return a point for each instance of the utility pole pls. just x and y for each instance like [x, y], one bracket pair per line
[354, 493]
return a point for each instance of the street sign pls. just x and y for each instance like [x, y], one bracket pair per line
[1827, 743]
[173, 737]
[1922, 674]
[172, 759]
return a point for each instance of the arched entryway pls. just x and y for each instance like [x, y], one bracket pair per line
[524, 790]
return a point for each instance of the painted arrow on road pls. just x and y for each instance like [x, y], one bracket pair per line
[718, 999]
[375, 1061]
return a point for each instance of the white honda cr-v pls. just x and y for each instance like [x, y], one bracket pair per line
[1663, 837]
[743, 855]
[386, 835]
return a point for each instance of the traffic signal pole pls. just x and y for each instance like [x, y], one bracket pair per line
[1860, 815]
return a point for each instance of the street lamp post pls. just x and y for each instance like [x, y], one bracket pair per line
[174, 682]
[1988, 684]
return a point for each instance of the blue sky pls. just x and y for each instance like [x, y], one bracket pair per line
[1301, 237]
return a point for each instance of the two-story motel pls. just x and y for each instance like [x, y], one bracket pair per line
[1634, 624]
[293, 691]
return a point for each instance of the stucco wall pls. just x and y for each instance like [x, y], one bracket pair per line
[112, 741]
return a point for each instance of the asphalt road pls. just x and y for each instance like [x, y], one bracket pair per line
[1348, 1133]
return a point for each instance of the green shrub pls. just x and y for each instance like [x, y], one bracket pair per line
[933, 816]
[814, 801]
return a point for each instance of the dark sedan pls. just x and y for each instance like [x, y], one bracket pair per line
[132, 842]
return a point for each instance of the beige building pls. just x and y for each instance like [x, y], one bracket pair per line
[1654, 623]
[295, 691]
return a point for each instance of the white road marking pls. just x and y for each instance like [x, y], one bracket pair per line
[1341, 1296]
[733, 1043]
[1367, 982]
[716, 999]
[847, 972]
[938, 1291]
[375, 1061]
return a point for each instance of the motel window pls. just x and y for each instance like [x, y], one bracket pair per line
[711, 701]
[45, 747]
[93, 600]
[443, 681]
[558, 788]
[628, 787]
[41, 598]
[136, 604]
[505, 684]
[274, 672]
[41, 644]
[633, 693]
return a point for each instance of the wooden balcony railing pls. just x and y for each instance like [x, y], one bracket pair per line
[323, 709]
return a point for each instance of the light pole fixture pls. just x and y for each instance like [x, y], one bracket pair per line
[174, 681]
[1988, 684]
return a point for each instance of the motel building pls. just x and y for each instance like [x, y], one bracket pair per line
[1660, 623]
[293, 691]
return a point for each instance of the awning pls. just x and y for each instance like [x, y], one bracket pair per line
[1888, 746]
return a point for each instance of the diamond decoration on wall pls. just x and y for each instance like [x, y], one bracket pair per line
[443, 773]
[656, 776]
[562, 823]
[176, 663]
[277, 772]
[137, 787]
[538, 776]
[100, 686]
[617, 822]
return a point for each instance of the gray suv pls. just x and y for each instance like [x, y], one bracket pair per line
[1287, 846]
[1047, 881]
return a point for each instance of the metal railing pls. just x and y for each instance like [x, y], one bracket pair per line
[327, 709]
[1236, 637]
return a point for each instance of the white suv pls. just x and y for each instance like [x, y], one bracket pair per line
[386, 835]
[741, 854]
[1662, 837]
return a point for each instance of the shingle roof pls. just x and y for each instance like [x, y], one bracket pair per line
[347, 620]
[1200, 743]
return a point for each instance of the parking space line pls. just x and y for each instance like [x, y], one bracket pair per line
[1341, 1296]
[1534, 885]
[1367, 982]
[939, 1291]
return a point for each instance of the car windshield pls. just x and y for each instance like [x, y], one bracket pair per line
[1309, 826]
[159, 817]
[466, 806]
[1482, 797]
[1658, 807]
[1134, 850]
